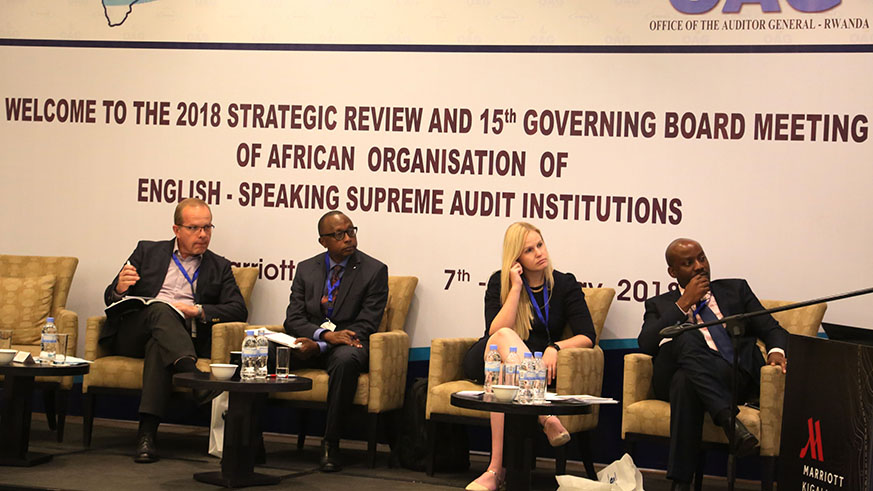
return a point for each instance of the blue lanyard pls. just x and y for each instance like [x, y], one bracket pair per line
[185, 273]
[330, 288]
[533, 302]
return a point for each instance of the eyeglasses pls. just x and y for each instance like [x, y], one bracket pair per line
[339, 234]
[196, 229]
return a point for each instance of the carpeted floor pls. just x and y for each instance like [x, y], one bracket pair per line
[108, 464]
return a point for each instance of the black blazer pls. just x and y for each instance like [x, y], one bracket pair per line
[217, 290]
[733, 297]
[360, 301]
[567, 307]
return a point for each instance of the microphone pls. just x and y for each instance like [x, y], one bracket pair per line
[676, 329]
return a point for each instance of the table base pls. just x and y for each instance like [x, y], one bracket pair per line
[518, 433]
[29, 459]
[219, 479]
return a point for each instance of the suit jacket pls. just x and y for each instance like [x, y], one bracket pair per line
[360, 300]
[733, 297]
[216, 291]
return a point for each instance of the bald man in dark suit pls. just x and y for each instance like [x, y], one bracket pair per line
[693, 370]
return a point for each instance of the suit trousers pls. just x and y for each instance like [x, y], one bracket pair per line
[159, 336]
[694, 379]
[343, 364]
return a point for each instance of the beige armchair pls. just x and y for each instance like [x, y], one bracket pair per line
[113, 374]
[381, 390]
[33, 288]
[580, 371]
[646, 418]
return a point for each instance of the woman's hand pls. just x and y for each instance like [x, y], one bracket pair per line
[515, 275]
[550, 360]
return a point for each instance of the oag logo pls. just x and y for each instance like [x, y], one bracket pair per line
[734, 6]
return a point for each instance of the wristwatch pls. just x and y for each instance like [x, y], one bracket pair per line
[199, 311]
[554, 345]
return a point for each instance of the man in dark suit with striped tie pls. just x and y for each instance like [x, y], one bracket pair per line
[337, 302]
[693, 370]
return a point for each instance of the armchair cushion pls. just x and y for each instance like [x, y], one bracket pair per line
[25, 303]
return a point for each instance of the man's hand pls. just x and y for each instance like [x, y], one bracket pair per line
[550, 360]
[127, 277]
[188, 310]
[696, 289]
[342, 337]
[777, 358]
[308, 348]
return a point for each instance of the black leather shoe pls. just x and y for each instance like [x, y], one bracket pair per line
[203, 396]
[330, 457]
[146, 451]
[745, 442]
[680, 486]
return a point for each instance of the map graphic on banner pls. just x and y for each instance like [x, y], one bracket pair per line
[116, 11]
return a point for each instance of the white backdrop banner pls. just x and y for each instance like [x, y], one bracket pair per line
[434, 141]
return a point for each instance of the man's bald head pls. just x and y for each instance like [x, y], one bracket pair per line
[685, 260]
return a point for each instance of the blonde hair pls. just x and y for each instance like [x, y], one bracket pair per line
[513, 245]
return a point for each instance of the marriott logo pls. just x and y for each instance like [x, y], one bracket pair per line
[813, 445]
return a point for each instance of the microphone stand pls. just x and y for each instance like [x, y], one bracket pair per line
[735, 326]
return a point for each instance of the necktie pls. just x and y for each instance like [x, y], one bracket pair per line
[719, 335]
[329, 297]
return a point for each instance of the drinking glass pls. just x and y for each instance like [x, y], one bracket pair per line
[61, 354]
[283, 361]
[6, 339]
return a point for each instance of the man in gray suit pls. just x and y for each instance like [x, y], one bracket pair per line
[337, 302]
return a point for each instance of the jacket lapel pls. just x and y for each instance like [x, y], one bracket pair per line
[349, 276]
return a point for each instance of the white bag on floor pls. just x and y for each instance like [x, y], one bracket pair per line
[621, 475]
[216, 426]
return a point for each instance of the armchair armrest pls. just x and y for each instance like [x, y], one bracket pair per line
[580, 371]
[446, 359]
[772, 400]
[93, 350]
[389, 356]
[67, 322]
[637, 379]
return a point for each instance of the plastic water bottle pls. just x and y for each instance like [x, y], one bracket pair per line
[48, 341]
[540, 385]
[510, 367]
[249, 356]
[492, 369]
[263, 350]
[527, 373]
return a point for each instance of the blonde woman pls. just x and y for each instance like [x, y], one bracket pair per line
[527, 305]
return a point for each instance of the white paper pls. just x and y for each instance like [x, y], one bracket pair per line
[283, 339]
[470, 393]
[550, 396]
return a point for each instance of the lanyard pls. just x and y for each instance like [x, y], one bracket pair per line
[185, 273]
[331, 289]
[533, 302]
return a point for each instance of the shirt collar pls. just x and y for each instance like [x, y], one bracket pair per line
[342, 263]
[179, 255]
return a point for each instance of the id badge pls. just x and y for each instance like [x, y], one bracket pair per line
[327, 324]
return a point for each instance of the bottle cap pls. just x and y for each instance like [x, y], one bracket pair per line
[538, 354]
[513, 349]
[527, 354]
[492, 347]
[50, 319]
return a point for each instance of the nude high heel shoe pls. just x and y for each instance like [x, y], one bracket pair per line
[475, 486]
[561, 438]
